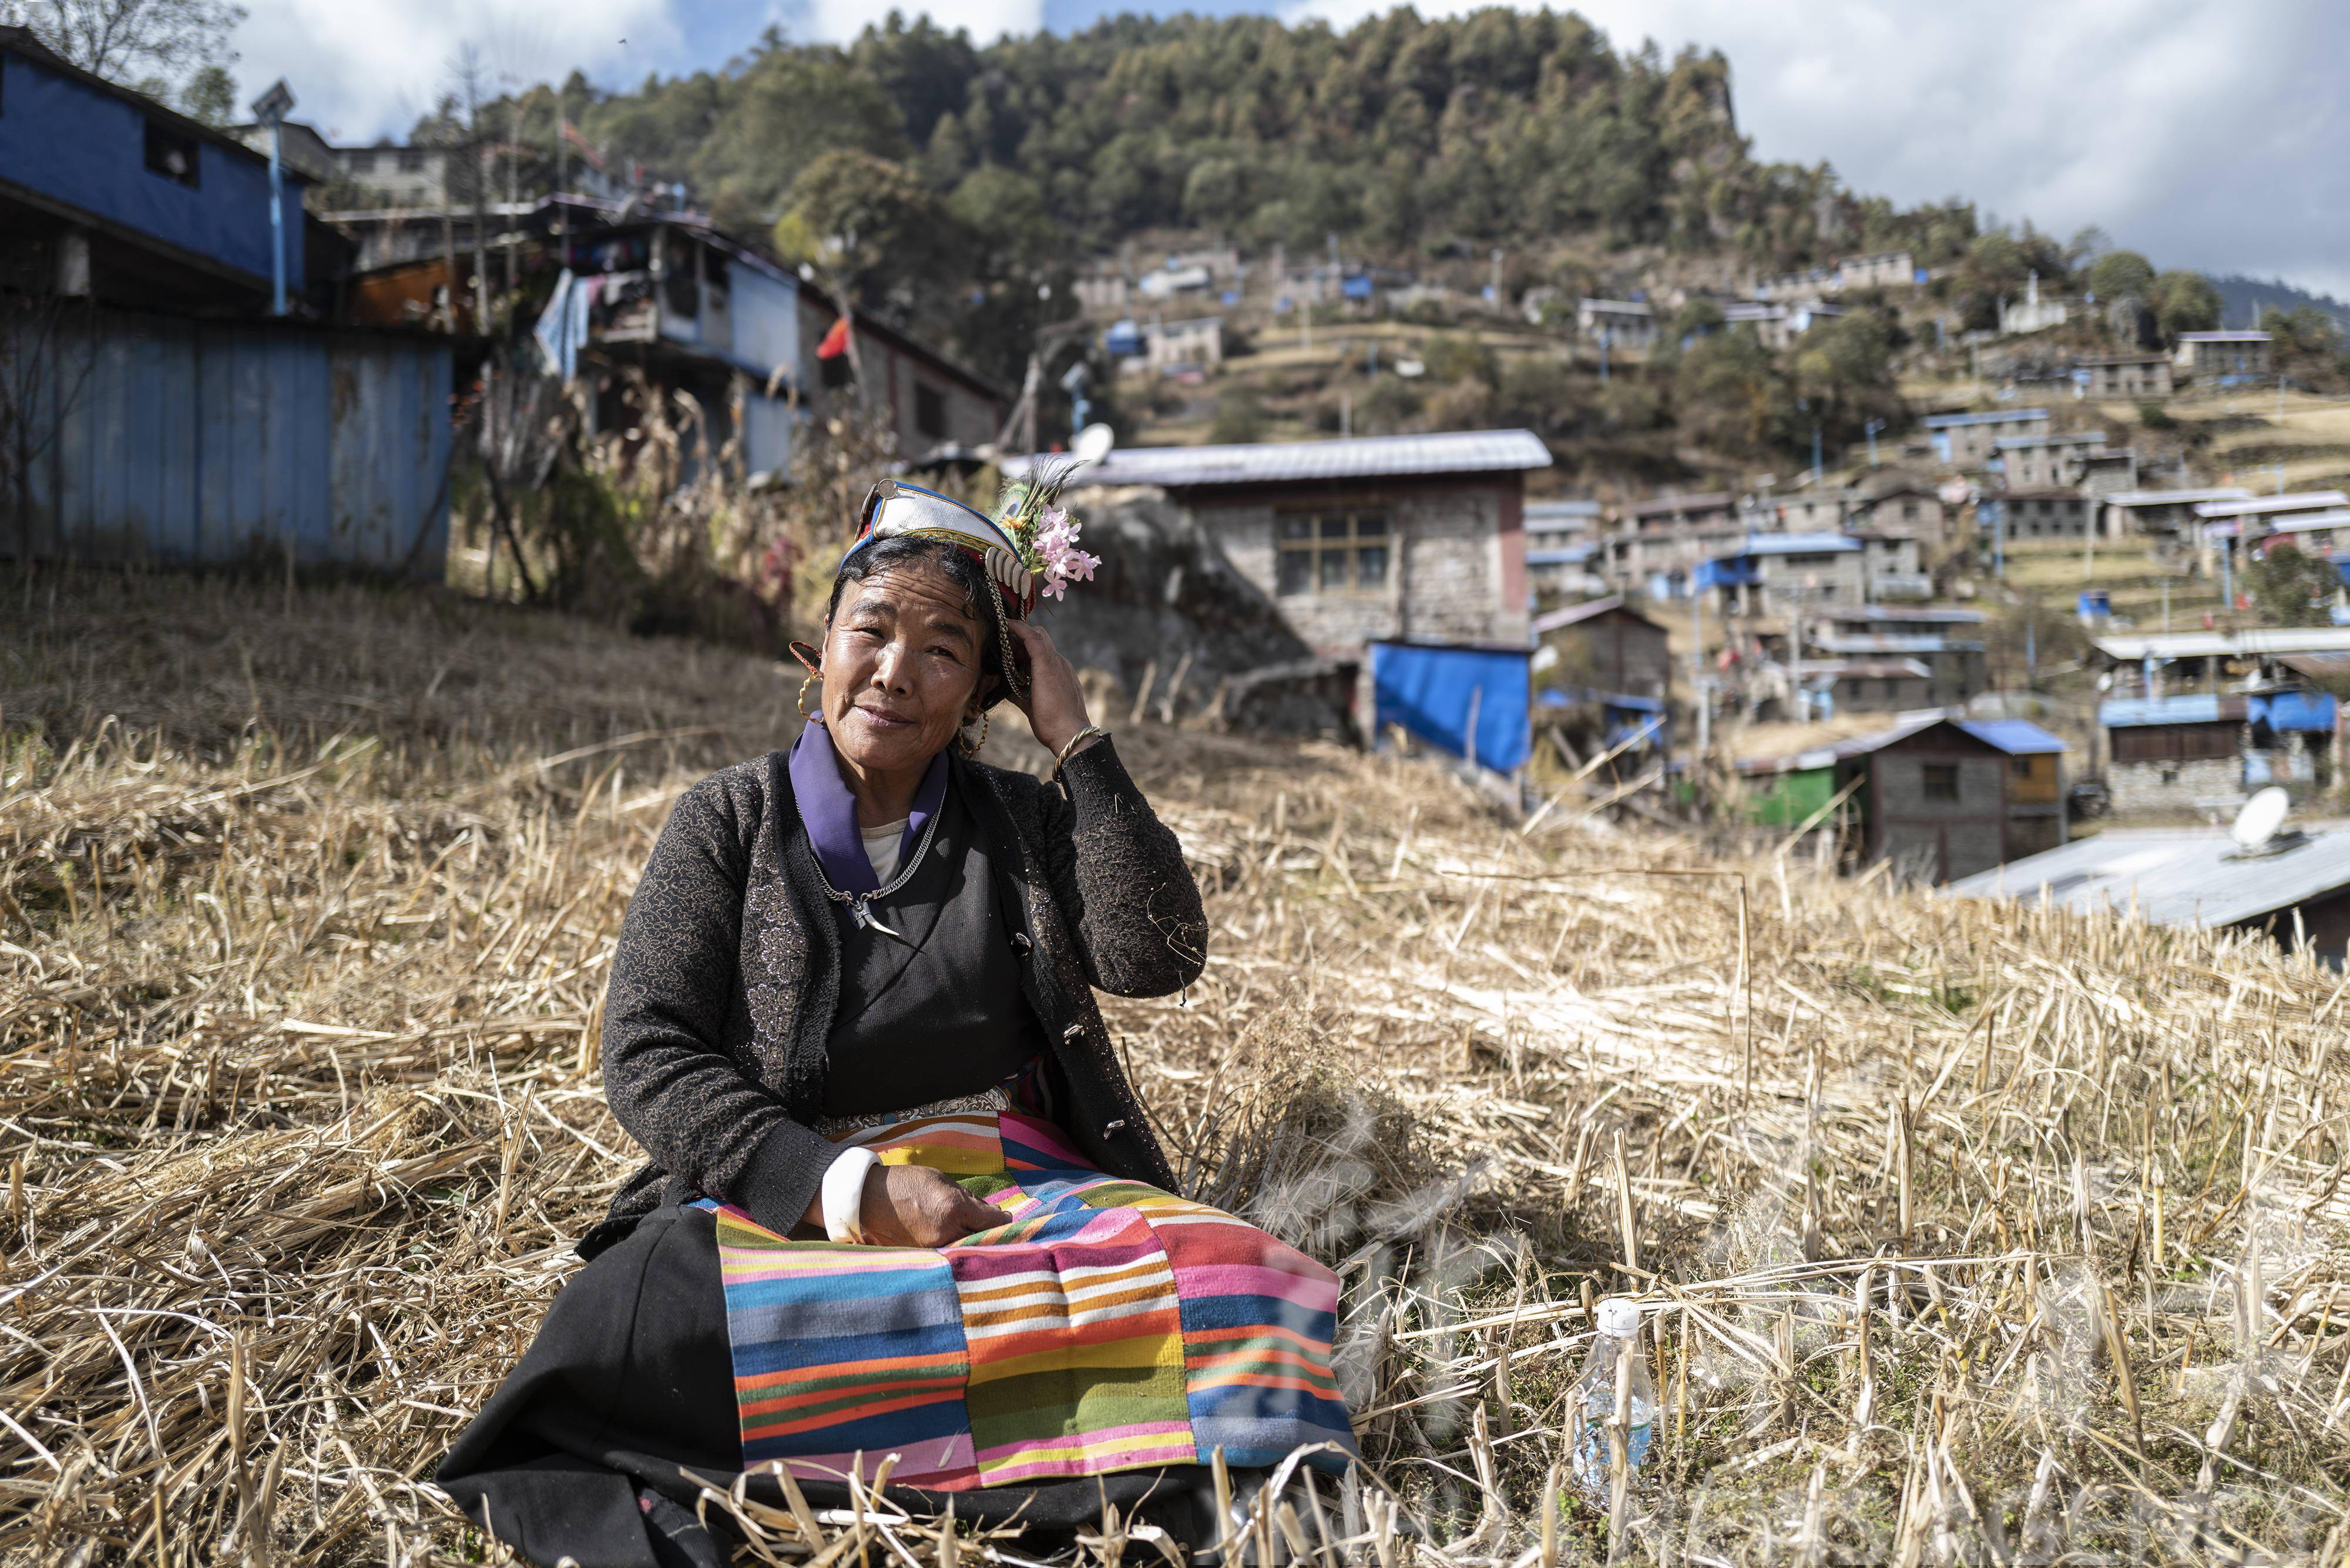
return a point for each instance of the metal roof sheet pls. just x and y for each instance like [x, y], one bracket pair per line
[1562, 555]
[1798, 543]
[2175, 878]
[2237, 336]
[2256, 506]
[2130, 649]
[1997, 416]
[1696, 501]
[1363, 457]
[1886, 642]
[1922, 614]
[1572, 615]
[2060, 437]
[2177, 498]
[2016, 737]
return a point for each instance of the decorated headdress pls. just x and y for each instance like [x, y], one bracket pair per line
[1028, 550]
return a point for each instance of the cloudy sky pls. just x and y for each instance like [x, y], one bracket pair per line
[2208, 133]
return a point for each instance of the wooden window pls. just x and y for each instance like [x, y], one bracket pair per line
[1332, 552]
[929, 410]
[2019, 767]
[412, 161]
[171, 153]
[1939, 781]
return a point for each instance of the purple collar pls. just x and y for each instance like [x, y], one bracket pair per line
[828, 811]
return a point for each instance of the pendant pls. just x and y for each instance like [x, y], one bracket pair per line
[865, 919]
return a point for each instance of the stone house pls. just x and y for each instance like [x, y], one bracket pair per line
[1416, 539]
[2160, 515]
[1608, 647]
[2045, 461]
[2053, 514]
[1940, 797]
[1703, 510]
[2174, 752]
[1814, 511]
[1967, 440]
[1622, 325]
[2142, 378]
[2217, 354]
[1776, 575]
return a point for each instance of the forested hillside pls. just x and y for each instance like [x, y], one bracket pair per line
[1409, 140]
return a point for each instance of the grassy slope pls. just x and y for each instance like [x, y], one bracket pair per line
[305, 906]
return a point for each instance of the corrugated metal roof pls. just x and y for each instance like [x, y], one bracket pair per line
[1839, 751]
[2258, 505]
[1941, 614]
[1572, 615]
[1562, 555]
[1886, 642]
[1271, 462]
[1571, 509]
[2076, 438]
[2318, 666]
[2239, 337]
[2177, 498]
[2174, 879]
[2130, 649]
[1998, 416]
[2016, 737]
[2311, 523]
[1798, 543]
[1698, 500]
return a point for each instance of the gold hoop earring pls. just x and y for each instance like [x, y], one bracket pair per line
[815, 678]
[970, 748]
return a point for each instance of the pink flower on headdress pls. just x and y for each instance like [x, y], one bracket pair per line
[1056, 546]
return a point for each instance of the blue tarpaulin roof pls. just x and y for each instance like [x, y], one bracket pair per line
[1431, 691]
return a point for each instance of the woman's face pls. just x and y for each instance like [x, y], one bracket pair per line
[901, 668]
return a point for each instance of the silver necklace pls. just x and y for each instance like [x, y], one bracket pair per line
[857, 902]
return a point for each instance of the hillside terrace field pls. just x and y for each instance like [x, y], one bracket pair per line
[1967, 1233]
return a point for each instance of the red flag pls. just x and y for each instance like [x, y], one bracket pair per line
[835, 342]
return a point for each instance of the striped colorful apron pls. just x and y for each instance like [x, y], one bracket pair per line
[1110, 1326]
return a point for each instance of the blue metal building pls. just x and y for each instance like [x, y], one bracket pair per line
[155, 410]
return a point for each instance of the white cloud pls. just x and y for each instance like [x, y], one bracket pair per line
[2205, 132]
[363, 68]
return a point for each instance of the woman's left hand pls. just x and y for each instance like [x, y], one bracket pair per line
[1055, 704]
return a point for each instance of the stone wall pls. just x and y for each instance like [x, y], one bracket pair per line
[1447, 575]
[1948, 838]
[2175, 785]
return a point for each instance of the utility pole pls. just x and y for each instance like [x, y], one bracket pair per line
[270, 109]
[513, 179]
[1873, 427]
[471, 73]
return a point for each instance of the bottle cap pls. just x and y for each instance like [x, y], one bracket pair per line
[1619, 1317]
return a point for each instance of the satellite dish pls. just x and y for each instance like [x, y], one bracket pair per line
[1093, 444]
[2257, 824]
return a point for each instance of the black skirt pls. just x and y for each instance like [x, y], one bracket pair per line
[596, 1445]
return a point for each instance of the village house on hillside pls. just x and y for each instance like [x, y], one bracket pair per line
[1970, 441]
[2140, 377]
[703, 313]
[1410, 538]
[1940, 797]
[2222, 355]
[1606, 646]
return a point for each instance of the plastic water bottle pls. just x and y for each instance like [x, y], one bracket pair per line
[1594, 1453]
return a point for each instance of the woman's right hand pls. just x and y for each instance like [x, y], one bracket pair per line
[915, 1206]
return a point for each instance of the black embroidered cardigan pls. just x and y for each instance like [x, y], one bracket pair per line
[727, 972]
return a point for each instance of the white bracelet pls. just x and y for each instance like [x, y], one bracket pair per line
[843, 1194]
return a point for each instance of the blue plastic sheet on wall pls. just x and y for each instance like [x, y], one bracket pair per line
[2296, 710]
[1434, 692]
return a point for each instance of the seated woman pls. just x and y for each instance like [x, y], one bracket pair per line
[903, 1206]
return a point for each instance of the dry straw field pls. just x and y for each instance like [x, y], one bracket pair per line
[1967, 1233]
